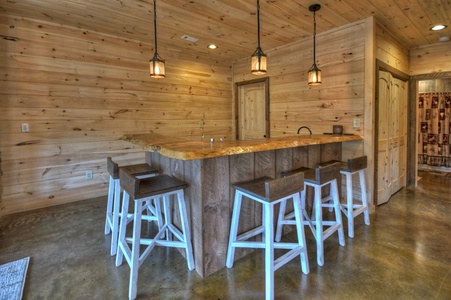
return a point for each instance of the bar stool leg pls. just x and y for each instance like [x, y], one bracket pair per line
[167, 216]
[136, 243]
[319, 226]
[268, 212]
[349, 202]
[366, 212]
[115, 217]
[338, 219]
[301, 233]
[280, 220]
[234, 228]
[122, 229]
[109, 206]
[186, 230]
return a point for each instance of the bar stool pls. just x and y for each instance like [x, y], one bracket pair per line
[269, 192]
[142, 190]
[114, 197]
[350, 208]
[317, 178]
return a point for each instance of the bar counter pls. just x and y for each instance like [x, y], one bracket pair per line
[210, 168]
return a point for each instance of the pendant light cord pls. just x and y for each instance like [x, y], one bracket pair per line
[314, 37]
[155, 23]
[258, 22]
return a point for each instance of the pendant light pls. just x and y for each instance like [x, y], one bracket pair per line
[314, 74]
[258, 59]
[156, 63]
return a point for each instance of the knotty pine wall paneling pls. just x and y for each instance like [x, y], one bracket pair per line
[80, 91]
[340, 56]
[346, 92]
[430, 59]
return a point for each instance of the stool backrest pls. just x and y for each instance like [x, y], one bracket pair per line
[327, 173]
[285, 186]
[113, 168]
[129, 182]
[356, 164]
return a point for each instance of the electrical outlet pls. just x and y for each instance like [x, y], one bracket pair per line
[25, 127]
[89, 175]
[356, 123]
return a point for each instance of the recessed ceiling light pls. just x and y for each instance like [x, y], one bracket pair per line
[438, 27]
[212, 46]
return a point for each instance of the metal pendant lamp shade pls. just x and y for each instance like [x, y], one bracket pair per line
[258, 59]
[156, 62]
[314, 74]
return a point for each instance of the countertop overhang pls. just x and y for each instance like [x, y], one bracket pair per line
[186, 149]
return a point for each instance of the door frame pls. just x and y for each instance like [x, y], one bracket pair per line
[237, 85]
[381, 66]
[413, 126]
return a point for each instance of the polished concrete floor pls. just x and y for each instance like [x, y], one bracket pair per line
[404, 254]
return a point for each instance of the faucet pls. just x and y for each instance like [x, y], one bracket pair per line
[306, 128]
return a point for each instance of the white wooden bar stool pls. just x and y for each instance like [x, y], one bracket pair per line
[352, 208]
[114, 197]
[317, 178]
[269, 192]
[142, 190]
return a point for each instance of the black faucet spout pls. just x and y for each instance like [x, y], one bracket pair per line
[306, 127]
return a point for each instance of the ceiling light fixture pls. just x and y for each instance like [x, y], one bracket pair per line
[212, 46]
[258, 59]
[156, 63]
[314, 74]
[438, 27]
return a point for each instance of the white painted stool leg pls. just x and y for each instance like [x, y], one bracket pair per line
[115, 216]
[350, 205]
[136, 243]
[186, 230]
[234, 228]
[109, 206]
[280, 219]
[167, 216]
[123, 220]
[319, 226]
[366, 212]
[338, 219]
[301, 233]
[268, 212]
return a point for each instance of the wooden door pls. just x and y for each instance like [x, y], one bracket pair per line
[252, 110]
[392, 136]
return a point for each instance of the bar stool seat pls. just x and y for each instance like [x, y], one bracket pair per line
[317, 178]
[114, 197]
[269, 192]
[142, 190]
[353, 207]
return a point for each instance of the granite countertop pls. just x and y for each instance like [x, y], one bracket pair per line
[186, 149]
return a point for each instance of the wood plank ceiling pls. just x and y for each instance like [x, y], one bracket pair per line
[232, 24]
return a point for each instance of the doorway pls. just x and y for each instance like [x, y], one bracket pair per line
[252, 109]
[391, 132]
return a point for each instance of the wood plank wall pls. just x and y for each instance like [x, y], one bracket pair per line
[338, 100]
[341, 56]
[430, 59]
[391, 51]
[80, 91]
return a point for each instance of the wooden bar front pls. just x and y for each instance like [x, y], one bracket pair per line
[210, 197]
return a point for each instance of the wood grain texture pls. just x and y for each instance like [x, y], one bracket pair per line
[210, 195]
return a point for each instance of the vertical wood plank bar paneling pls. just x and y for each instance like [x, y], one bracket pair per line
[216, 212]
[242, 168]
